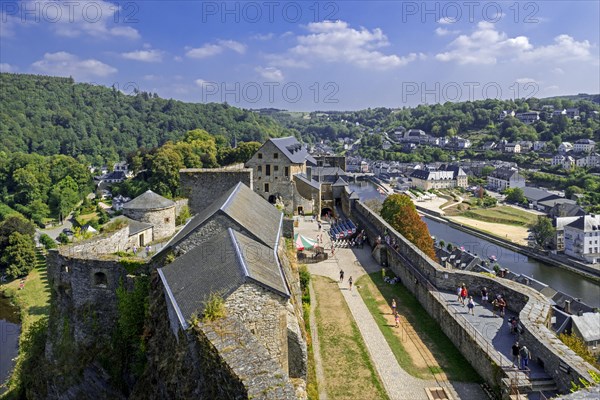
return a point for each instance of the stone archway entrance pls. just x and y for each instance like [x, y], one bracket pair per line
[326, 212]
[272, 199]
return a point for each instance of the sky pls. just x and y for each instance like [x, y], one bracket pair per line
[309, 55]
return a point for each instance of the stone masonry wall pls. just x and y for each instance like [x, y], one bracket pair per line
[203, 186]
[264, 314]
[533, 308]
[163, 221]
[103, 244]
[218, 360]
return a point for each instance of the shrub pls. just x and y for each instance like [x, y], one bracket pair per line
[214, 307]
[47, 242]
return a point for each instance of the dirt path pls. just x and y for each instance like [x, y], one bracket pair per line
[516, 234]
[316, 346]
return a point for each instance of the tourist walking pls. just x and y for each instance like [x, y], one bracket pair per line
[319, 226]
[525, 356]
[515, 354]
[484, 295]
[397, 319]
[350, 283]
[471, 305]
[394, 306]
[458, 292]
[502, 306]
[463, 294]
[341, 275]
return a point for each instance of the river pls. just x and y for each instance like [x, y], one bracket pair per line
[9, 338]
[558, 278]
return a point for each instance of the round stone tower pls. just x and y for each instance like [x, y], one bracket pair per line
[153, 209]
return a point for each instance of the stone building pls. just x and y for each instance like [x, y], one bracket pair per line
[153, 209]
[278, 168]
[234, 248]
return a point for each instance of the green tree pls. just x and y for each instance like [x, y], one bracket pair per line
[64, 197]
[515, 195]
[543, 231]
[19, 256]
[47, 241]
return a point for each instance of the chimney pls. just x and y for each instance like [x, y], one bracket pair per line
[568, 306]
[309, 173]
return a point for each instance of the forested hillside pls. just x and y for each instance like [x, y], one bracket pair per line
[50, 115]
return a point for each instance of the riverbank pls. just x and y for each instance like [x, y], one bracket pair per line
[590, 272]
[33, 302]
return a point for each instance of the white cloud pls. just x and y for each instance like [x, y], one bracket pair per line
[97, 18]
[201, 83]
[211, 49]
[558, 71]
[487, 46]
[447, 21]
[4, 67]
[66, 64]
[259, 36]
[270, 73]
[144, 55]
[445, 32]
[337, 42]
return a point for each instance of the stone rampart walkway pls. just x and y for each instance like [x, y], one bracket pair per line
[398, 383]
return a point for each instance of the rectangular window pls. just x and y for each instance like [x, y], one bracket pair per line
[275, 155]
[260, 156]
[266, 188]
[268, 170]
[259, 169]
[276, 168]
[287, 171]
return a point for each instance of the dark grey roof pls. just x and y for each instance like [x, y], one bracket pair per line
[420, 174]
[115, 175]
[586, 223]
[340, 182]
[310, 182]
[554, 202]
[504, 173]
[134, 226]
[585, 141]
[354, 196]
[220, 265]
[328, 173]
[567, 210]
[588, 325]
[535, 194]
[149, 201]
[246, 209]
[293, 149]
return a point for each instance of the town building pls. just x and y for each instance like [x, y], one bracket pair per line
[587, 327]
[504, 114]
[505, 178]
[529, 117]
[588, 161]
[582, 237]
[565, 147]
[512, 147]
[155, 210]
[446, 176]
[539, 145]
[584, 146]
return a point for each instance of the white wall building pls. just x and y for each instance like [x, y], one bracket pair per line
[582, 238]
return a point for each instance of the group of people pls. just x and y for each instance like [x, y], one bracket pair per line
[520, 356]
[499, 303]
[395, 313]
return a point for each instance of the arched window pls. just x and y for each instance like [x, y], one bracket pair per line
[100, 279]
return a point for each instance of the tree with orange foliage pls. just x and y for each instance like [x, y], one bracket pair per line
[400, 212]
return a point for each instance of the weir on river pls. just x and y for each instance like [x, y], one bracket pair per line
[558, 278]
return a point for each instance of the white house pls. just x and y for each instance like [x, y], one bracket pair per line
[565, 147]
[582, 237]
[528, 117]
[539, 145]
[558, 160]
[584, 146]
[512, 148]
[505, 178]
[572, 113]
[505, 114]
[588, 161]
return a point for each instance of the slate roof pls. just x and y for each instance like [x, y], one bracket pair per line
[115, 175]
[535, 194]
[588, 325]
[586, 223]
[220, 265]
[293, 150]
[310, 182]
[504, 173]
[340, 182]
[134, 226]
[246, 209]
[554, 202]
[148, 201]
[567, 210]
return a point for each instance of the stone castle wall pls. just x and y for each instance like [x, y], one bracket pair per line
[203, 186]
[533, 308]
[108, 243]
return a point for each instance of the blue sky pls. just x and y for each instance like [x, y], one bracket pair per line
[311, 55]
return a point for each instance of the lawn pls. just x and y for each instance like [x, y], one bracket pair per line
[502, 215]
[419, 345]
[34, 299]
[349, 373]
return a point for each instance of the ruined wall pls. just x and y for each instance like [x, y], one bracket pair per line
[108, 243]
[203, 186]
[533, 308]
